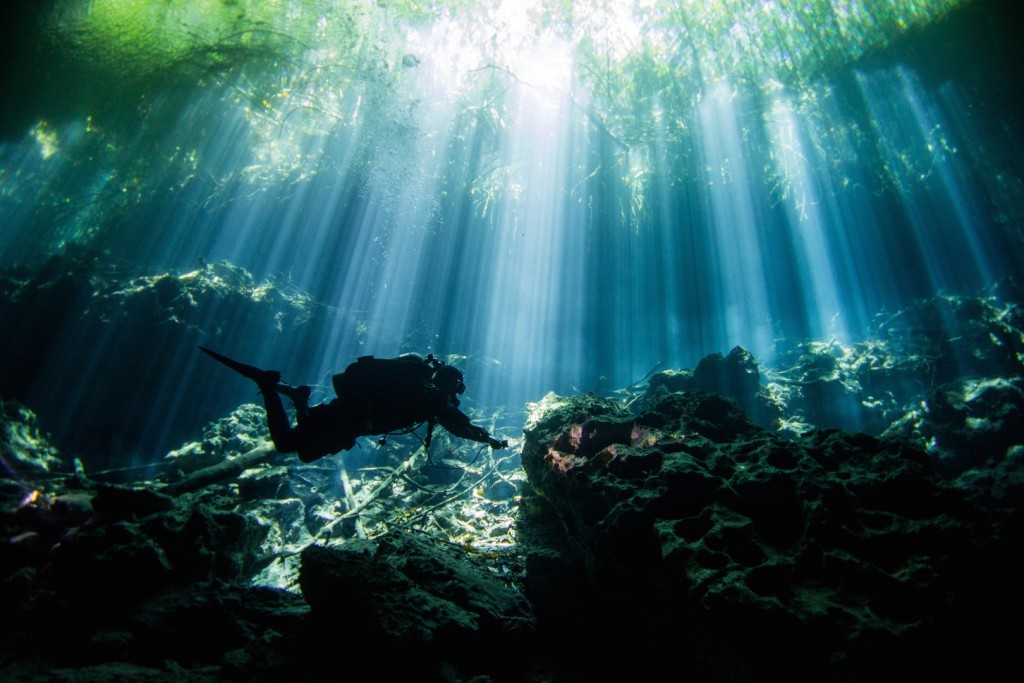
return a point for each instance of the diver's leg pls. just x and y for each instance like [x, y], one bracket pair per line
[299, 397]
[325, 430]
[277, 420]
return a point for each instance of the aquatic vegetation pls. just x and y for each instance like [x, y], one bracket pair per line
[713, 174]
[290, 75]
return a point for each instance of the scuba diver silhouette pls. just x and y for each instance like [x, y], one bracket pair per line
[375, 396]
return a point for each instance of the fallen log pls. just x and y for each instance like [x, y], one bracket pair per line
[222, 470]
[327, 531]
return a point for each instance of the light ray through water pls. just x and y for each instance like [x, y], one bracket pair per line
[810, 214]
[554, 201]
[741, 288]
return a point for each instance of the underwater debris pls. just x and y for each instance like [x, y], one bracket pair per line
[238, 543]
[239, 433]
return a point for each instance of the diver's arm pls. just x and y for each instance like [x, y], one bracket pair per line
[457, 422]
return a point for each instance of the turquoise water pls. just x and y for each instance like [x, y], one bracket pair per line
[563, 198]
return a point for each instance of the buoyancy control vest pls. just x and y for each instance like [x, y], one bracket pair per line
[368, 377]
[386, 394]
[409, 375]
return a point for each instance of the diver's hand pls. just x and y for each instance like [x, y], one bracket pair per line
[495, 444]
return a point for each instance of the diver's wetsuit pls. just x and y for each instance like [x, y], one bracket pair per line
[321, 430]
[379, 408]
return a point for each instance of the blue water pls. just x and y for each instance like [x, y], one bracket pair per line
[521, 232]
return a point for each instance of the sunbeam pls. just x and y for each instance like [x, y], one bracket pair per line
[735, 228]
[560, 195]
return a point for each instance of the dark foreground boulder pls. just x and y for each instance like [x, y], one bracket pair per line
[422, 609]
[688, 526]
[403, 589]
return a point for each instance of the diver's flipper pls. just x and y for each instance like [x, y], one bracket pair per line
[261, 377]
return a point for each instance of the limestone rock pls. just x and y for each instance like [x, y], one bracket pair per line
[736, 375]
[974, 422]
[231, 436]
[271, 482]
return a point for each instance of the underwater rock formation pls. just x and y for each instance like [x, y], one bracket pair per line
[706, 515]
[24, 447]
[735, 376]
[126, 573]
[690, 525]
[876, 383]
[958, 396]
[231, 436]
[136, 332]
[970, 423]
[207, 582]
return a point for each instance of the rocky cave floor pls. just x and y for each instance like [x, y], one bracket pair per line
[709, 524]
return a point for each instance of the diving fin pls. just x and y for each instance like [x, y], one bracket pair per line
[261, 377]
